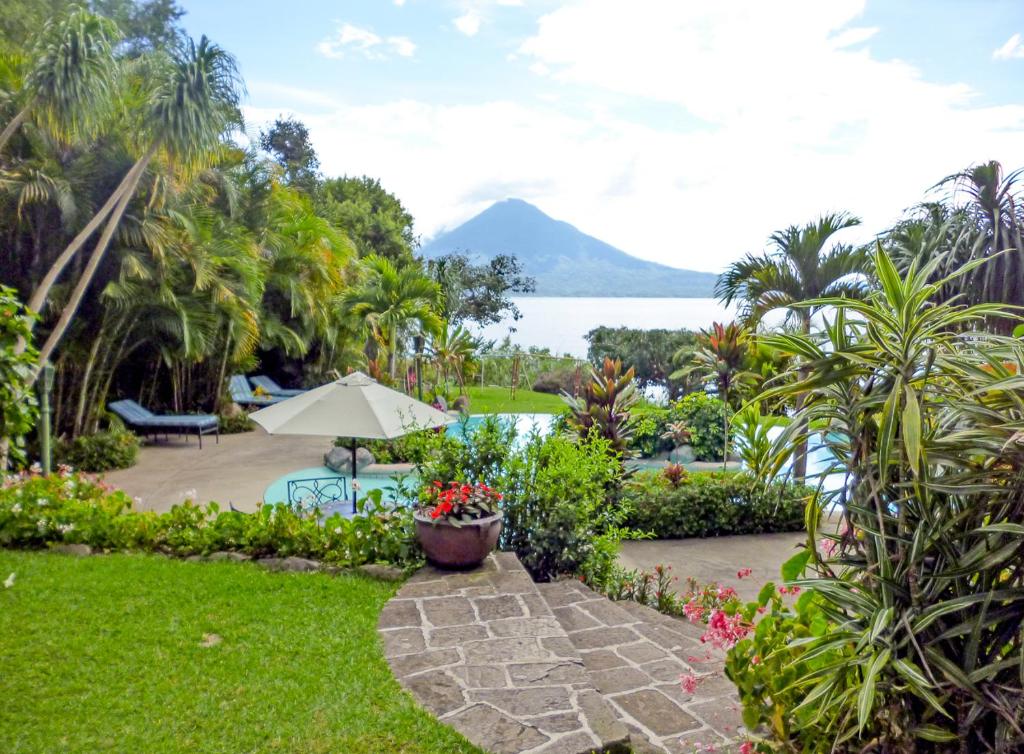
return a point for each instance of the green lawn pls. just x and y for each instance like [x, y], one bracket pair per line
[104, 654]
[496, 400]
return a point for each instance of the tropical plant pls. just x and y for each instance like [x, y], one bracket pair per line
[392, 300]
[652, 354]
[451, 349]
[17, 400]
[796, 269]
[922, 583]
[458, 502]
[604, 407]
[753, 443]
[705, 421]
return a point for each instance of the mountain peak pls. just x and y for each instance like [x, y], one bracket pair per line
[564, 260]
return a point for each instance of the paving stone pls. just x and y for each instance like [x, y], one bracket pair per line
[525, 627]
[495, 732]
[617, 680]
[399, 614]
[522, 702]
[415, 663]
[607, 612]
[695, 741]
[382, 572]
[455, 636]
[559, 646]
[602, 719]
[643, 651]
[546, 673]
[560, 722]
[448, 611]
[572, 618]
[423, 589]
[574, 743]
[508, 582]
[468, 579]
[656, 712]
[518, 649]
[436, 691]
[664, 670]
[724, 715]
[480, 676]
[505, 561]
[402, 641]
[289, 564]
[560, 594]
[494, 608]
[535, 605]
[666, 637]
[597, 638]
[601, 659]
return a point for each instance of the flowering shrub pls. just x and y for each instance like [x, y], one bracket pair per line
[457, 502]
[76, 508]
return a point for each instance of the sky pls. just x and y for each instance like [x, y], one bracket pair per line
[681, 131]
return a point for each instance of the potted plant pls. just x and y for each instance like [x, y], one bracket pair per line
[457, 524]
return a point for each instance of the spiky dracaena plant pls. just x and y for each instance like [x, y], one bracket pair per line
[923, 584]
[605, 406]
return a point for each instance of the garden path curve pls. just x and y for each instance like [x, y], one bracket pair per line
[518, 667]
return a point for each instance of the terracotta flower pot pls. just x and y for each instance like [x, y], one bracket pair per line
[461, 546]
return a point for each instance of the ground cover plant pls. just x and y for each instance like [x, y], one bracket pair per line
[911, 638]
[167, 656]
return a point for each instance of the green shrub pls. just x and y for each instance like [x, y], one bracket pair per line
[705, 416]
[18, 409]
[649, 426]
[114, 448]
[75, 508]
[712, 504]
[236, 424]
[406, 449]
[556, 381]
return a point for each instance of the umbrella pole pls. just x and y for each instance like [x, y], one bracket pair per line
[354, 447]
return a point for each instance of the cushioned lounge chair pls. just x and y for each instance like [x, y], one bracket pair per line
[242, 394]
[145, 422]
[267, 384]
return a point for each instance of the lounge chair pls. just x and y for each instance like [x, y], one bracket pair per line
[267, 384]
[242, 394]
[145, 422]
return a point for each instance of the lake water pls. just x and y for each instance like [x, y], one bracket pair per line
[560, 323]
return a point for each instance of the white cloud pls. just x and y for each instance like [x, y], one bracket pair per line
[351, 38]
[1014, 48]
[687, 136]
[399, 3]
[468, 23]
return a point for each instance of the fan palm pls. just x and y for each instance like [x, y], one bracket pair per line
[451, 349]
[797, 268]
[392, 299]
[194, 101]
[67, 87]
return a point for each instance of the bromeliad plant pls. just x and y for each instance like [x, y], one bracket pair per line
[924, 588]
[457, 503]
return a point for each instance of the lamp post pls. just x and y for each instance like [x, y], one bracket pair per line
[418, 344]
[44, 418]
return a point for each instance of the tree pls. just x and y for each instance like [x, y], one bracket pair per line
[479, 292]
[146, 25]
[451, 349]
[287, 141]
[194, 100]
[651, 353]
[391, 300]
[797, 268]
[375, 220]
[67, 88]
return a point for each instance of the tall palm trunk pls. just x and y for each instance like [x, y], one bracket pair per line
[89, 272]
[800, 456]
[14, 125]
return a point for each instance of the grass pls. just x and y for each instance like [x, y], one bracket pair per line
[105, 654]
[496, 400]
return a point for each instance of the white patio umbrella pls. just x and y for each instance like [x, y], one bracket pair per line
[354, 406]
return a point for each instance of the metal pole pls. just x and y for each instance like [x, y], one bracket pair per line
[44, 418]
[355, 444]
[418, 341]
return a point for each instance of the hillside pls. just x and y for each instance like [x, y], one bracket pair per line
[564, 260]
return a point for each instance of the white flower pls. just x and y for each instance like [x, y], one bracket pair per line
[189, 494]
[16, 508]
[41, 524]
[9, 581]
[337, 530]
[65, 528]
[42, 501]
[35, 468]
[355, 485]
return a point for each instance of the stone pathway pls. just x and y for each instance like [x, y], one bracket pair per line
[519, 667]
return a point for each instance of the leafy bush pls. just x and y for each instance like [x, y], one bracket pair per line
[76, 508]
[18, 409]
[115, 448]
[705, 416]
[559, 515]
[405, 449]
[236, 424]
[556, 381]
[924, 580]
[649, 426]
[712, 504]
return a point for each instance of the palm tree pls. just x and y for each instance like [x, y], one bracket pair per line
[797, 268]
[392, 299]
[67, 88]
[451, 349]
[194, 101]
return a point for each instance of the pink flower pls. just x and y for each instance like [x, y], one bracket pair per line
[689, 682]
[743, 573]
[828, 546]
[747, 747]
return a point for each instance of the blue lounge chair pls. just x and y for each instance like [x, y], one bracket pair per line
[145, 422]
[242, 394]
[267, 384]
